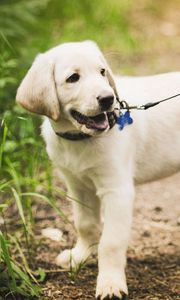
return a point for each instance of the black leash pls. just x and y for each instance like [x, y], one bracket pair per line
[125, 118]
[125, 105]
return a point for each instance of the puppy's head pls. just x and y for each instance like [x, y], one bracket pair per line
[73, 80]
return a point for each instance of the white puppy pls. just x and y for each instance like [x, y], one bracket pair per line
[73, 86]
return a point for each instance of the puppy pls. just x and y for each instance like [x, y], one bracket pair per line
[73, 86]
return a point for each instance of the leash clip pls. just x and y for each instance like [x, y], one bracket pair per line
[124, 118]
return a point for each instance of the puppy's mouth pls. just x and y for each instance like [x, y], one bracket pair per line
[99, 122]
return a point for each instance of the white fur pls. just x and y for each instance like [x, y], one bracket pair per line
[101, 171]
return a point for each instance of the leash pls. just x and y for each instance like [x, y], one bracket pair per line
[126, 119]
[124, 104]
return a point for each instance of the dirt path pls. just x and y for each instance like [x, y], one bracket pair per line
[152, 269]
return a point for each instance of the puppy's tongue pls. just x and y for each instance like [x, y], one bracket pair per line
[99, 122]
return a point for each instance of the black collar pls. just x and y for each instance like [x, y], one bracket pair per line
[79, 136]
[73, 136]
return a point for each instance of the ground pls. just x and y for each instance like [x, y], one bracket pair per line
[152, 269]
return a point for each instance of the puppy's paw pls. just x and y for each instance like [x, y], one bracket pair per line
[111, 286]
[69, 259]
[72, 258]
[65, 259]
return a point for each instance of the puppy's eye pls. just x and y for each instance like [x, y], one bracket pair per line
[73, 78]
[103, 72]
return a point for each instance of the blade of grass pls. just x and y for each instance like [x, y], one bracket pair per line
[4, 38]
[49, 201]
[7, 259]
[65, 195]
[15, 175]
[3, 185]
[24, 261]
[5, 131]
[21, 212]
[19, 205]
[3, 206]
[35, 290]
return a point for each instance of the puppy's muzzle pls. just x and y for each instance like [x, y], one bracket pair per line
[105, 102]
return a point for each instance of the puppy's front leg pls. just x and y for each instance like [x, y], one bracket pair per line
[87, 222]
[114, 241]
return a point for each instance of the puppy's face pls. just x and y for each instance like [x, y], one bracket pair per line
[72, 81]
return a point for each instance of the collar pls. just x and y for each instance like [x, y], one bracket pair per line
[79, 136]
[73, 136]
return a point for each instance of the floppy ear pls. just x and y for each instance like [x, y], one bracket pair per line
[110, 77]
[111, 81]
[37, 92]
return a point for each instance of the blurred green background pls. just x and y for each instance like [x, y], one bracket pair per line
[138, 37]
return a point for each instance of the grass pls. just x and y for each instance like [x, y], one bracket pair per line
[11, 274]
[19, 190]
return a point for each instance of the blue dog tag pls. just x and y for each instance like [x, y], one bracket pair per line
[124, 119]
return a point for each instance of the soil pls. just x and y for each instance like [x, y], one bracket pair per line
[153, 260]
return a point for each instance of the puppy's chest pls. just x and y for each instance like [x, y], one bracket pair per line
[77, 157]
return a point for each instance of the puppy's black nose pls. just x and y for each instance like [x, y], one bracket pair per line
[105, 102]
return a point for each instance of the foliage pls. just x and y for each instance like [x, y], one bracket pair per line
[19, 151]
[106, 22]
